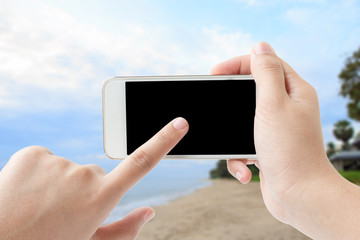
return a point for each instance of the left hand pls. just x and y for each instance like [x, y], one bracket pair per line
[43, 196]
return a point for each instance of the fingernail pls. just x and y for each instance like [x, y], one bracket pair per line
[180, 123]
[238, 176]
[149, 216]
[262, 47]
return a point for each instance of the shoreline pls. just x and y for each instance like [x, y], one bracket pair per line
[224, 210]
[162, 198]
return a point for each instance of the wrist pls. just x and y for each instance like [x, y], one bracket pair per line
[322, 211]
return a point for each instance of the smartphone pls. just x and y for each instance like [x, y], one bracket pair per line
[220, 111]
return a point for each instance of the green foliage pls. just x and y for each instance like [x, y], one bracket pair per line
[352, 176]
[330, 149]
[221, 171]
[254, 171]
[255, 178]
[350, 87]
[344, 132]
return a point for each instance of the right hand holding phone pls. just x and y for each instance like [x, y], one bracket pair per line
[287, 132]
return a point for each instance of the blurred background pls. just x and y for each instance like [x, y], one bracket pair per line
[55, 55]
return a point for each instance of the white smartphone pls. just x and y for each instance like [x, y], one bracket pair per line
[220, 111]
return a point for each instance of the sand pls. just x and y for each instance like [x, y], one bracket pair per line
[225, 210]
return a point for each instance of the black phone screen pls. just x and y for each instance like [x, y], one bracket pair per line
[220, 114]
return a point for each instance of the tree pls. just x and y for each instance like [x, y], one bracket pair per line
[344, 132]
[330, 149]
[350, 87]
[220, 171]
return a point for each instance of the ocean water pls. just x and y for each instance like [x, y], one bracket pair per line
[168, 181]
[153, 192]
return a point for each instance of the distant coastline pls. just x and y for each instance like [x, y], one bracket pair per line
[161, 196]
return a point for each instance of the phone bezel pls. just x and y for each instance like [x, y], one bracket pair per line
[114, 113]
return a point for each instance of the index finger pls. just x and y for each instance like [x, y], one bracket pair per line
[236, 65]
[143, 159]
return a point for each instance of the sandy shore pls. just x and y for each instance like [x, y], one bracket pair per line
[225, 210]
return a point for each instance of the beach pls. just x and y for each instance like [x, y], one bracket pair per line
[225, 210]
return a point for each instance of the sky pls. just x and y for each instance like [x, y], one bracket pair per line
[55, 55]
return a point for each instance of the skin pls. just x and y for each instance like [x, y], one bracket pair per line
[298, 183]
[43, 196]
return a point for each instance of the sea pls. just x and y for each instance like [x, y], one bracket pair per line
[168, 181]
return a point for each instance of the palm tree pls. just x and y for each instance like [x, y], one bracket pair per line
[344, 132]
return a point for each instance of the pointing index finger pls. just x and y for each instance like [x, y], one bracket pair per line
[143, 159]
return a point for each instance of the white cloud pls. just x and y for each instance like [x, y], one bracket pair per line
[43, 56]
[49, 60]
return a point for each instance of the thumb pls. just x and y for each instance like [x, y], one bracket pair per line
[268, 73]
[126, 228]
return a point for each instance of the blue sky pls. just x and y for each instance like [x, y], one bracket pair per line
[54, 56]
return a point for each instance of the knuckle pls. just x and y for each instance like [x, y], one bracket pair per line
[31, 153]
[141, 159]
[83, 172]
[61, 162]
[83, 178]
[36, 150]
[80, 174]
[95, 168]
